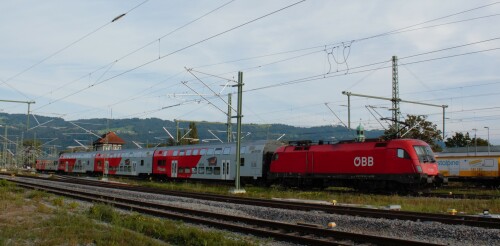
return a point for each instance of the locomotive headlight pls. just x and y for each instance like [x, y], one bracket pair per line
[419, 169]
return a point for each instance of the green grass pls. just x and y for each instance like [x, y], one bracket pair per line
[38, 218]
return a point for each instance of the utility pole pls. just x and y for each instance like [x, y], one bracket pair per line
[475, 141]
[229, 125]
[488, 128]
[29, 105]
[395, 95]
[4, 152]
[237, 189]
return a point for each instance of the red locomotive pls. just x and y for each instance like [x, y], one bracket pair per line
[397, 164]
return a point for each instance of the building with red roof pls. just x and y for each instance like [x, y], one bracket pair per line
[108, 141]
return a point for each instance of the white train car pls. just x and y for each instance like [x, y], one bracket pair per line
[470, 166]
[214, 161]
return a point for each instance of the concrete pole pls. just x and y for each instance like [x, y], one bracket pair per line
[229, 126]
[237, 189]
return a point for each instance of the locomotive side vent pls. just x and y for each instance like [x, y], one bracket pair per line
[381, 144]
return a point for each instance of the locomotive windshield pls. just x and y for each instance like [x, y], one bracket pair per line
[424, 153]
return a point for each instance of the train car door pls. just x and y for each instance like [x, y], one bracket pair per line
[174, 169]
[225, 170]
[106, 167]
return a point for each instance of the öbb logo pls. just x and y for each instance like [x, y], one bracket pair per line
[363, 161]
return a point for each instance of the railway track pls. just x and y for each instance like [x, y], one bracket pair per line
[461, 196]
[475, 221]
[296, 233]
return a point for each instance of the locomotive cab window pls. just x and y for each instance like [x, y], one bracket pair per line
[218, 151]
[188, 152]
[203, 151]
[403, 154]
[210, 152]
[275, 157]
[424, 153]
[227, 150]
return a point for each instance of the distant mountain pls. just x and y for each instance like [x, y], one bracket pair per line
[56, 132]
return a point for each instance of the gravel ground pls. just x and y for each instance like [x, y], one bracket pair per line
[433, 232]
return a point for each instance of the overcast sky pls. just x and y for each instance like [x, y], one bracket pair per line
[179, 60]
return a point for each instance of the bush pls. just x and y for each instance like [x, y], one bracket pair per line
[103, 212]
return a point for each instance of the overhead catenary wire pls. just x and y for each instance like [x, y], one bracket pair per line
[174, 52]
[285, 52]
[374, 70]
[142, 47]
[68, 46]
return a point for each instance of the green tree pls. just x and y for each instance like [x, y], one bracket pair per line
[457, 140]
[188, 136]
[193, 134]
[417, 127]
[462, 140]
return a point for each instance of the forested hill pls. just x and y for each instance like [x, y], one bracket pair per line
[150, 131]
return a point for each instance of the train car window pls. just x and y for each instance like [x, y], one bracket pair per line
[182, 153]
[243, 150]
[195, 152]
[242, 162]
[227, 150]
[201, 170]
[162, 163]
[210, 152]
[209, 170]
[99, 164]
[216, 170]
[142, 162]
[193, 170]
[188, 152]
[175, 152]
[187, 170]
[218, 151]
[181, 170]
[121, 168]
[203, 151]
